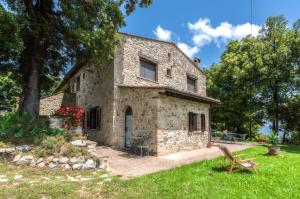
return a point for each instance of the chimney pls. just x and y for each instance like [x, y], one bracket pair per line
[197, 61]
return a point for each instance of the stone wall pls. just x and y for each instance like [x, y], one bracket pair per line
[173, 135]
[96, 90]
[143, 102]
[50, 104]
[166, 55]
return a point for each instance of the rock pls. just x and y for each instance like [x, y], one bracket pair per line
[33, 163]
[104, 164]
[80, 143]
[18, 177]
[23, 148]
[49, 159]
[91, 144]
[41, 165]
[3, 180]
[63, 160]
[17, 158]
[52, 165]
[66, 167]
[39, 160]
[81, 159]
[77, 166]
[73, 160]
[89, 164]
[7, 152]
[55, 160]
[25, 160]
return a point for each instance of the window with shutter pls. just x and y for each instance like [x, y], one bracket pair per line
[148, 70]
[192, 122]
[203, 128]
[98, 118]
[191, 84]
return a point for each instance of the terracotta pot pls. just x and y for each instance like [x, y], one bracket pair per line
[274, 150]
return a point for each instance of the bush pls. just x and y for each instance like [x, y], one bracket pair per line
[17, 128]
[217, 134]
[49, 145]
[70, 150]
[273, 138]
[261, 138]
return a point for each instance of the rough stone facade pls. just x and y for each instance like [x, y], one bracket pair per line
[118, 86]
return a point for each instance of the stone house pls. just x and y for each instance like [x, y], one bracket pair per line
[150, 88]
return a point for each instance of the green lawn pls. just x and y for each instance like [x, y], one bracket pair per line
[278, 177]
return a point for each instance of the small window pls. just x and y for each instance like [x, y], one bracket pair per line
[83, 75]
[148, 70]
[169, 72]
[192, 122]
[94, 118]
[78, 83]
[169, 57]
[191, 84]
[203, 128]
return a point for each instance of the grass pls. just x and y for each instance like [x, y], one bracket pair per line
[278, 177]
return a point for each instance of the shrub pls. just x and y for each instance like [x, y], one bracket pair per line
[70, 150]
[49, 145]
[218, 134]
[71, 114]
[17, 128]
[261, 138]
[273, 138]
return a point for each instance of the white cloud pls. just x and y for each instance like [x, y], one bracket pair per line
[204, 33]
[162, 34]
[188, 50]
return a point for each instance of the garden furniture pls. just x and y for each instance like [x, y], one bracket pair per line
[236, 162]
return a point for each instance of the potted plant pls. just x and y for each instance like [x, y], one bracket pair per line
[274, 149]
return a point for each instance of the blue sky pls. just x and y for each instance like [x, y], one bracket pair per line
[203, 27]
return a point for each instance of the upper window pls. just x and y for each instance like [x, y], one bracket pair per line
[78, 83]
[169, 72]
[192, 122]
[191, 84]
[148, 70]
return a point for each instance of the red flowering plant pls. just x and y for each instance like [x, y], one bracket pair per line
[72, 115]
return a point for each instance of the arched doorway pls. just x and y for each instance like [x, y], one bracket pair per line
[128, 127]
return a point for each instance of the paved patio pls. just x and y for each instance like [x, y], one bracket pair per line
[128, 165]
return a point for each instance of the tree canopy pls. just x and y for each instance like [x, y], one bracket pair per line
[256, 77]
[42, 37]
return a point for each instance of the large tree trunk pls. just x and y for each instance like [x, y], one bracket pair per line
[31, 66]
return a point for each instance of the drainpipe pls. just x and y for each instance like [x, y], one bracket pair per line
[209, 144]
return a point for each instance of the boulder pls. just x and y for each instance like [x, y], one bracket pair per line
[33, 163]
[25, 160]
[73, 160]
[80, 143]
[66, 167]
[41, 165]
[55, 160]
[104, 164]
[52, 165]
[23, 148]
[7, 152]
[39, 160]
[17, 158]
[77, 166]
[63, 160]
[89, 164]
[49, 159]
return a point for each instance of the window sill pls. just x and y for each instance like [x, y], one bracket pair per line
[143, 78]
[196, 132]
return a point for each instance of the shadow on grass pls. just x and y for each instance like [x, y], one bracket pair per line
[225, 170]
[291, 148]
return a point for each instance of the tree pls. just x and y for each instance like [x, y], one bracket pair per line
[256, 77]
[279, 75]
[56, 33]
[9, 90]
[234, 81]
